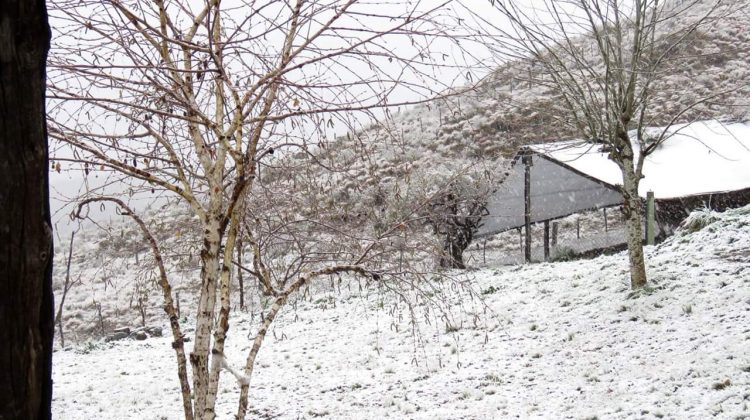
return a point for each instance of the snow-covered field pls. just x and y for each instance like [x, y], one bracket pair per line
[562, 340]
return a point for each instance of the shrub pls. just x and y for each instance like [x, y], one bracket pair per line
[563, 253]
[697, 220]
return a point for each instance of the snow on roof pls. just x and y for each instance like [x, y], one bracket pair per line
[698, 158]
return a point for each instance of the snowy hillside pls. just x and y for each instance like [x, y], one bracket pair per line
[562, 340]
[516, 105]
[112, 272]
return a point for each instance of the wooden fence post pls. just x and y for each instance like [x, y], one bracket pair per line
[554, 234]
[650, 225]
[606, 226]
[527, 207]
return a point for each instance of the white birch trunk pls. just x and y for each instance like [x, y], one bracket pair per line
[205, 317]
[222, 326]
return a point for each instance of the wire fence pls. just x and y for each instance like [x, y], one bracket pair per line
[581, 234]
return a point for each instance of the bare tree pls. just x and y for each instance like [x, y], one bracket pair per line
[601, 60]
[456, 220]
[194, 98]
[456, 212]
[26, 301]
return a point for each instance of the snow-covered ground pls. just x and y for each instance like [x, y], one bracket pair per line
[555, 340]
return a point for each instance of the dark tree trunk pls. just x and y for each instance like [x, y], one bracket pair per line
[457, 220]
[26, 304]
[455, 243]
